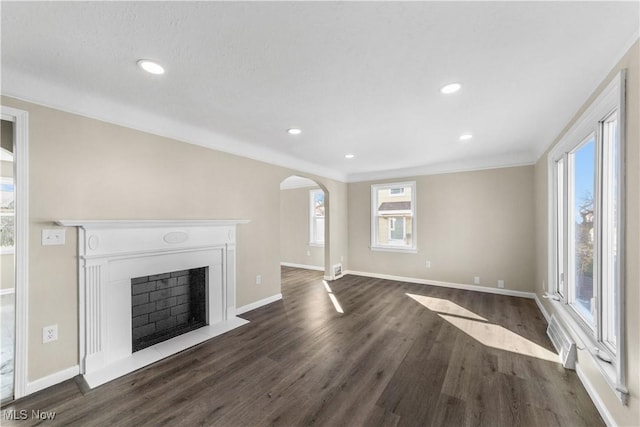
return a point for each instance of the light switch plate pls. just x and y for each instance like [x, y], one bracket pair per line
[53, 236]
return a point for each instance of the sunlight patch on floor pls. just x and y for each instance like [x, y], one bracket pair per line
[488, 334]
[500, 338]
[333, 298]
[445, 306]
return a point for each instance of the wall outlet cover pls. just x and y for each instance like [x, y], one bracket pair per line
[53, 236]
[476, 280]
[49, 333]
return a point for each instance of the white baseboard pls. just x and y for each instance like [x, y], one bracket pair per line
[543, 310]
[50, 380]
[306, 267]
[465, 287]
[595, 397]
[258, 304]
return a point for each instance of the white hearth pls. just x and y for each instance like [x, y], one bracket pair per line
[111, 253]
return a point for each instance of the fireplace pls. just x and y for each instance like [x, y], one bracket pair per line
[166, 305]
[130, 272]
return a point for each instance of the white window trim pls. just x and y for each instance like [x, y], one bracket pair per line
[20, 121]
[414, 224]
[612, 98]
[312, 241]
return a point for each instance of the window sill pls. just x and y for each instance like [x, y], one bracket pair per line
[316, 245]
[7, 251]
[589, 344]
[394, 249]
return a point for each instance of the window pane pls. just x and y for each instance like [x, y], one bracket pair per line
[7, 208]
[393, 212]
[316, 217]
[396, 230]
[582, 232]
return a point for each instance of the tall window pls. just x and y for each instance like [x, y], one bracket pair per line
[586, 212]
[7, 212]
[581, 215]
[316, 217]
[393, 208]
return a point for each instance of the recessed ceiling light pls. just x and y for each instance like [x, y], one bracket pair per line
[465, 137]
[450, 88]
[150, 66]
[294, 131]
[349, 156]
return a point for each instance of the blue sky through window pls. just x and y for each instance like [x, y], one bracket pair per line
[584, 175]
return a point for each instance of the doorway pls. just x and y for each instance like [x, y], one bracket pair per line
[302, 223]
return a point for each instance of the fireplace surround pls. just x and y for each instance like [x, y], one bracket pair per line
[113, 253]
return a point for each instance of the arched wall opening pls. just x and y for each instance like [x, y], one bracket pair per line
[304, 223]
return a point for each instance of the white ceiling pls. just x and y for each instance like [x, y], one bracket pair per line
[356, 77]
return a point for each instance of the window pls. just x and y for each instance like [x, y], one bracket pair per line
[581, 191]
[586, 244]
[316, 217]
[7, 215]
[392, 216]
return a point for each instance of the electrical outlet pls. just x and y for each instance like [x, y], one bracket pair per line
[428, 264]
[501, 283]
[53, 236]
[308, 253]
[258, 279]
[476, 280]
[49, 334]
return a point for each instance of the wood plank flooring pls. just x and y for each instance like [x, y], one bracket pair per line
[389, 360]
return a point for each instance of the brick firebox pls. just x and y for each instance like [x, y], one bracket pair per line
[167, 305]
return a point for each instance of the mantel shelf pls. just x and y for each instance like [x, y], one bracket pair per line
[144, 223]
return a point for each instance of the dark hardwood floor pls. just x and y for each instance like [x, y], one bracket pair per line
[435, 358]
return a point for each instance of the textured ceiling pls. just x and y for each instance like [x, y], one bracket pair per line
[356, 77]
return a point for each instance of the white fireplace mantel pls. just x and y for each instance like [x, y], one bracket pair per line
[112, 252]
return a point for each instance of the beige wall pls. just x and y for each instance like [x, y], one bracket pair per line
[468, 224]
[623, 415]
[294, 229]
[82, 168]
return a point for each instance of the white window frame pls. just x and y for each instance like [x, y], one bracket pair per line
[610, 360]
[375, 246]
[20, 119]
[312, 219]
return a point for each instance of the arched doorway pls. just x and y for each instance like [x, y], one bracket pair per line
[303, 226]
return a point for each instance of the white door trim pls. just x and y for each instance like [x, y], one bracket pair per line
[20, 121]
